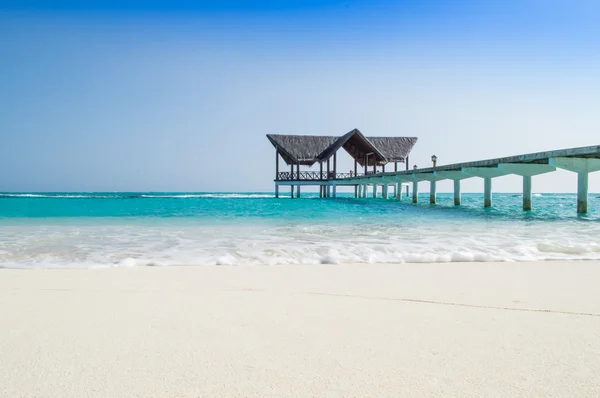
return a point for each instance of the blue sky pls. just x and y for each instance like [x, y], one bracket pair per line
[165, 96]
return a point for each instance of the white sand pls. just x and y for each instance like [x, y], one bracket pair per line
[302, 331]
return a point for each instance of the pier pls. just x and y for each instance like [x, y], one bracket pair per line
[372, 154]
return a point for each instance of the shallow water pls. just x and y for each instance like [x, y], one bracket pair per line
[131, 229]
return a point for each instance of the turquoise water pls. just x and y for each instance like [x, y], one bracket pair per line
[136, 229]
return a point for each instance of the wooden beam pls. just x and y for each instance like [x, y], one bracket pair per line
[277, 164]
[334, 164]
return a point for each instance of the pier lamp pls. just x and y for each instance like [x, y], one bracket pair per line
[415, 167]
[434, 160]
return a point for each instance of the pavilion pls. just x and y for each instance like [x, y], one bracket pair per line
[370, 153]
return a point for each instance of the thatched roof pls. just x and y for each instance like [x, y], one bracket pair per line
[357, 146]
[309, 149]
[395, 149]
[301, 149]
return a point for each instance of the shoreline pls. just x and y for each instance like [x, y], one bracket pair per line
[470, 329]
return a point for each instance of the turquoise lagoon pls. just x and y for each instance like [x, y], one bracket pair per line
[89, 230]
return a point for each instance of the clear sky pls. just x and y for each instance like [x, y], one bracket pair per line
[178, 96]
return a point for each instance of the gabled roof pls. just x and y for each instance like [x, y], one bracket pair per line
[301, 149]
[309, 149]
[395, 149]
[357, 146]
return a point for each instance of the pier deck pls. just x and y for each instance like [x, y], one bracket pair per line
[583, 160]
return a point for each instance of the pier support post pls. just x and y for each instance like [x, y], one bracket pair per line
[432, 193]
[334, 190]
[276, 191]
[526, 193]
[398, 191]
[364, 191]
[527, 171]
[374, 191]
[457, 195]
[292, 191]
[581, 166]
[456, 177]
[385, 191]
[582, 192]
[487, 195]
[298, 188]
[415, 196]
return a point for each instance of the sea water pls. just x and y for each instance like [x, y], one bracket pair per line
[88, 230]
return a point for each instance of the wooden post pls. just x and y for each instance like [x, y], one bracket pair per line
[334, 168]
[406, 160]
[292, 191]
[277, 165]
[276, 190]
[355, 167]
[432, 192]
[321, 170]
[395, 166]
[292, 173]
[374, 165]
[383, 168]
[298, 173]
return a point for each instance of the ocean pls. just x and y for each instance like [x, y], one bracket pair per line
[95, 230]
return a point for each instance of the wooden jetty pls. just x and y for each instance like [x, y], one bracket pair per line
[374, 153]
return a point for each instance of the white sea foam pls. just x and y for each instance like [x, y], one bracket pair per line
[70, 246]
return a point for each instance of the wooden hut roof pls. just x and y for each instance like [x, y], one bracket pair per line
[309, 149]
[395, 149]
[357, 146]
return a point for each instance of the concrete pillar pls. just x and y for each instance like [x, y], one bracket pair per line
[374, 191]
[298, 188]
[526, 193]
[364, 191]
[457, 195]
[415, 192]
[276, 190]
[292, 191]
[334, 190]
[582, 192]
[487, 195]
[385, 191]
[582, 167]
[432, 193]
[399, 191]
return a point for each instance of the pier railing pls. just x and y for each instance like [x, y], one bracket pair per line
[313, 176]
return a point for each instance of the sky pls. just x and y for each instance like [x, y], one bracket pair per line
[179, 95]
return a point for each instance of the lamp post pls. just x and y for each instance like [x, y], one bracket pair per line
[434, 160]
[415, 167]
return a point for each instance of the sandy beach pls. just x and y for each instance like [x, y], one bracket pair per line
[457, 329]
